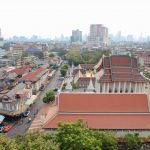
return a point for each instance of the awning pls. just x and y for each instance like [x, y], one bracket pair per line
[29, 102]
[1, 118]
[51, 74]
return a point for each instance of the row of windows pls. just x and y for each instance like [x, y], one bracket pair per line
[121, 91]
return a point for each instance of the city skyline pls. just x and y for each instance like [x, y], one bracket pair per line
[53, 18]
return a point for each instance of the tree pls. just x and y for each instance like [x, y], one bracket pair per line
[75, 136]
[7, 144]
[51, 55]
[63, 72]
[65, 67]
[5, 56]
[74, 86]
[133, 141]
[50, 97]
[39, 54]
[109, 142]
[24, 54]
[36, 141]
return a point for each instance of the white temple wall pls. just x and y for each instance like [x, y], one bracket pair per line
[121, 87]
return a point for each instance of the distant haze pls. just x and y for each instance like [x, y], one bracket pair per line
[50, 18]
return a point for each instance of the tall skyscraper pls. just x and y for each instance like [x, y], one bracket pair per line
[98, 35]
[76, 36]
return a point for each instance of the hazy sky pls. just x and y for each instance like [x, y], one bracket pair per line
[50, 18]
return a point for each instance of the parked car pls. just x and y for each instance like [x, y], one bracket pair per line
[26, 113]
[42, 88]
[61, 78]
[1, 129]
[29, 119]
[7, 128]
[55, 90]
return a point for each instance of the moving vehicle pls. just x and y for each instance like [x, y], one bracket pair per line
[26, 113]
[7, 128]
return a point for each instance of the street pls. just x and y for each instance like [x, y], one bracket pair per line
[22, 128]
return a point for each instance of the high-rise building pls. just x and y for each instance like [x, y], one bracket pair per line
[0, 32]
[76, 36]
[98, 35]
[1, 39]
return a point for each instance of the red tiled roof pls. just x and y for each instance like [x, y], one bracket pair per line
[121, 69]
[135, 70]
[103, 111]
[87, 66]
[76, 71]
[104, 121]
[106, 62]
[33, 76]
[120, 60]
[103, 102]
[86, 79]
[106, 78]
[134, 62]
[22, 70]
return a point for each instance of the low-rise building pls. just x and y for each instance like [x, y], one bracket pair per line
[145, 60]
[36, 78]
[22, 70]
[2, 53]
[12, 102]
[115, 112]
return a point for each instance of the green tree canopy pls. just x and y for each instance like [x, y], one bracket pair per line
[75, 136]
[86, 57]
[63, 72]
[5, 56]
[65, 66]
[50, 97]
[109, 142]
[36, 141]
[133, 141]
[24, 54]
[51, 55]
[39, 54]
[7, 144]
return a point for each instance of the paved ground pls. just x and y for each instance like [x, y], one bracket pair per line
[19, 128]
[43, 116]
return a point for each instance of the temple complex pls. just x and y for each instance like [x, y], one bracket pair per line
[119, 74]
[112, 74]
[114, 99]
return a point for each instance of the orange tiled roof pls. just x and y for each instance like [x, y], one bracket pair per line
[103, 102]
[22, 70]
[104, 121]
[87, 66]
[33, 76]
[122, 68]
[103, 111]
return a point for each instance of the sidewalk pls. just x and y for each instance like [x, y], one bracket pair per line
[48, 111]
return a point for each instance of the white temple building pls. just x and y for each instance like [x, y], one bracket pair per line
[119, 74]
